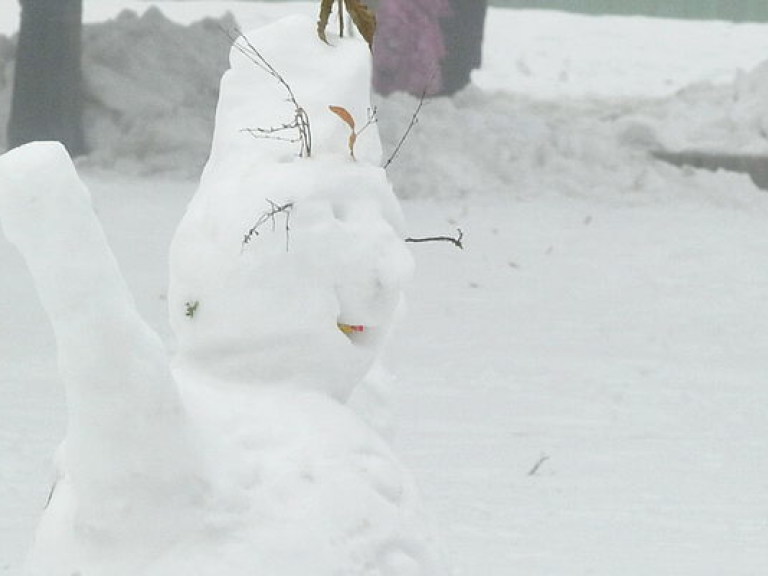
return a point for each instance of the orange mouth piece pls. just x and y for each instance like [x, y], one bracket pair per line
[350, 329]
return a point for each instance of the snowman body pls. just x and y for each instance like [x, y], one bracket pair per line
[241, 457]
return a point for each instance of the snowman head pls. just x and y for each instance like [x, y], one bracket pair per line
[288, 270]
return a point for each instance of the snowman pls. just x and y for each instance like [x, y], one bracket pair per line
[241, 456]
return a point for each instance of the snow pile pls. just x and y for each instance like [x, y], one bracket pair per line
[245, 458]
[151, 90]
[152, 83]
[478, 143]
[730, 118]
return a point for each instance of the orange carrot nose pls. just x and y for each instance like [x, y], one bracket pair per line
[350, 328]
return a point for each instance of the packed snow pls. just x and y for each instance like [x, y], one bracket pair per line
[580, 391]
[246, 458]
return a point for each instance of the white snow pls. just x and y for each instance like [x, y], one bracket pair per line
[333, 257]
[555, 54]
[606, 320]
[246, 459]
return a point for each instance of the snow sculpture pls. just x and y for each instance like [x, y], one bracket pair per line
[341, 258]
[244, 459]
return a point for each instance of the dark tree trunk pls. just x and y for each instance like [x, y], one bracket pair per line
[47, 91]
[463, 37]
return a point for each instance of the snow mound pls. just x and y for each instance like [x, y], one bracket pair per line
[151, 90]
[730, 118]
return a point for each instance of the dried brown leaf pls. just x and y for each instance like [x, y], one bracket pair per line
[326, 6]
[344, 114]
[363, 18]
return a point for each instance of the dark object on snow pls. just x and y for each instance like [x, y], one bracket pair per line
[754, 165]
[47, 90]
[463, 36]
[430, 46]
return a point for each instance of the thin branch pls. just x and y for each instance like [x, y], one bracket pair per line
[270, 216]
[300, 121]
[271, 133]
[373, 118]
[413, 122]
[455, 241]
[538, 465]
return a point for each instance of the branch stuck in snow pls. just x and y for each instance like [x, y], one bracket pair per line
[271, 216]
[300, 122]
[538, 465]
[412, 123]
[458, 241]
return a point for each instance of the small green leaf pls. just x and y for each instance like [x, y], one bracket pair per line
[191, 308]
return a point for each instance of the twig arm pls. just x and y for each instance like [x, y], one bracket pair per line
[457, 241]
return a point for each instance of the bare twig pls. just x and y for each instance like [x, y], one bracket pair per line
[300, 121]
[51, 492]
[373, 118]
[270, 216]
[538, 465]
[455, 241]
[272, 133]
[412, 123]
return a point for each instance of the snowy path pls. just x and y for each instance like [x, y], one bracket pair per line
[624, 343]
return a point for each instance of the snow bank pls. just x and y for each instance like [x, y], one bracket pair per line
[478, 143]
[152, 83]
[730, 118]
[151, 90]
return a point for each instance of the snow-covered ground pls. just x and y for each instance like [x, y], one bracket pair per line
[582, 390]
